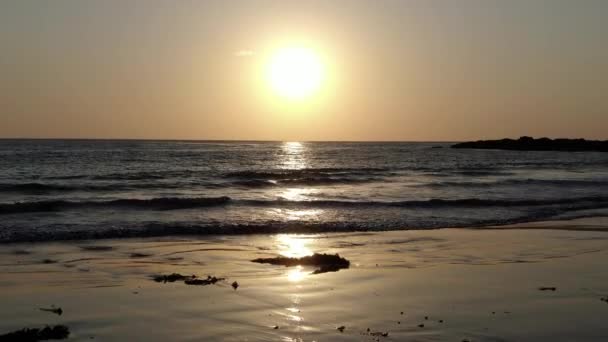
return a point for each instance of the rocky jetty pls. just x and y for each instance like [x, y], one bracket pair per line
[541, 144]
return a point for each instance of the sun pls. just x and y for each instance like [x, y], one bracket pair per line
[295, 73]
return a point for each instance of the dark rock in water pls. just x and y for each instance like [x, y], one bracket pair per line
[235, 285]
[53, 309]
[324, 262]
[545, 288]
[58, 332]
[542, 144]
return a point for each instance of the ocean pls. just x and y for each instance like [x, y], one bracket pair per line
[92, 189]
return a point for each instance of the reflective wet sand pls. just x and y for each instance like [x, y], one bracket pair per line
[451, 285]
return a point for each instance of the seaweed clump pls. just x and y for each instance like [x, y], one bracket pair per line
[171, 278]
[188, 280]
[209, 281]
[323, 262]
[58, 332]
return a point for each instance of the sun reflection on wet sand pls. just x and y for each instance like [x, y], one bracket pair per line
[293, 246]
[296, 274]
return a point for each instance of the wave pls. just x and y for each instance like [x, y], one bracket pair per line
[174, 203]
[32, 187]
[39, 188]
[263, 183]
[163, 203]
[289, 173]
[310, 176]
[520, 182]
[599, 201]
[57, 232]
[143, 175]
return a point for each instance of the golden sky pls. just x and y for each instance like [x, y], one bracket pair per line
[385, 70]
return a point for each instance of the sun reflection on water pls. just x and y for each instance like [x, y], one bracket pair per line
[296, 215]
[296, 194]
[293, 157]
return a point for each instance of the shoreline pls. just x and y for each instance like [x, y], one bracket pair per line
[590, 223]
[482, 284]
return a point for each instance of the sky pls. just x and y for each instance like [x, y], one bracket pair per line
[393, 70]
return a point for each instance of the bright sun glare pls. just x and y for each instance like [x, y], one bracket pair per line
[295, 73]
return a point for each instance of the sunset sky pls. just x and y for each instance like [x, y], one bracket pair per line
[361, 70]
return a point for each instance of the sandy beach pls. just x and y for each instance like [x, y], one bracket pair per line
[434, 285]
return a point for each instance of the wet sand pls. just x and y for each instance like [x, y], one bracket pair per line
[450, 285]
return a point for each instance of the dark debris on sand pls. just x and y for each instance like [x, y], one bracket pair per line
[58, 332]
[188, 280]
[323, 262]
[96, 248]
[547, 288]
[53, 309]
[138, 255]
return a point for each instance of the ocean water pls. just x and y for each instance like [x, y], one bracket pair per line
[69, 189]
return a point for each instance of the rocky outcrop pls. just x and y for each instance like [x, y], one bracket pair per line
[542, 144]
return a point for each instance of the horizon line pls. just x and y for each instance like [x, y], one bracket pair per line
[232, 140]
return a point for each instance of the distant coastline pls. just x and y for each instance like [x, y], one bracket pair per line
[541, 144]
